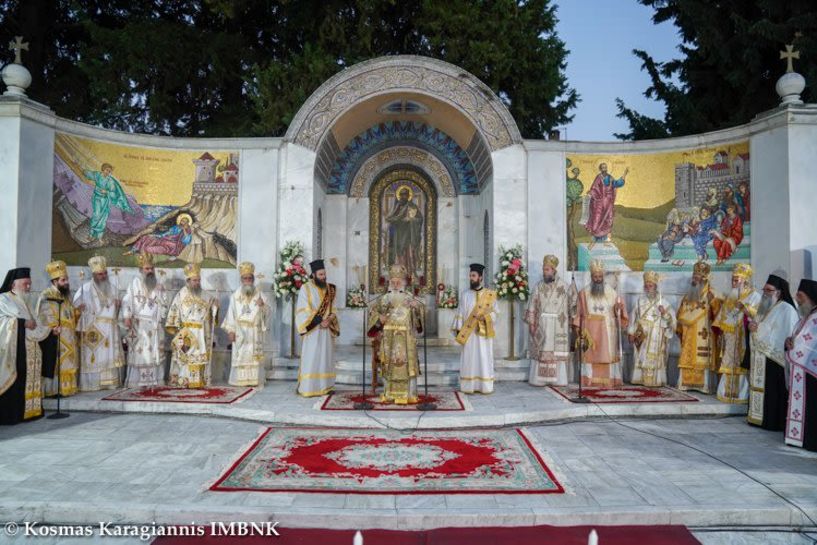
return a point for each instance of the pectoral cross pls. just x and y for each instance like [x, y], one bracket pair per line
[789, 54]
[18, 46]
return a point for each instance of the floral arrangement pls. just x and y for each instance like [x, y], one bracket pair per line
[447, 297]
[356, 297]
[512, 278]
[291, 274]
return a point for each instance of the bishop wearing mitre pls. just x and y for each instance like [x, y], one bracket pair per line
[190, 320]
[474, 329]
[246, 324]
[144, 309]
[397, 317]
[601, 316]
[60, 350]
[102, 355]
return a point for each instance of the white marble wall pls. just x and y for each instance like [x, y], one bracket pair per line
[802, 183]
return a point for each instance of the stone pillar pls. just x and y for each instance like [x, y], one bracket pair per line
[27, 163]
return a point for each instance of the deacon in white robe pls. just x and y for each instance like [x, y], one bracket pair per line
[318, 326]
[737, 310]
[144, 309]
[246, 324]
[548, 322]
[652, 325]
[190, 319]
[20, 358]
[775, 320]
[60, 351]
[101, 345]
[801, 359]
[600, 318]
[474, 330]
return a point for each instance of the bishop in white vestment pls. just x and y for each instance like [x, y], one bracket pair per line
[144, 309]
[739, 307]
[548, 322]
[474, 330]
[652, 326]
[775, 320]
[318, 326]
[246, 324]
[21, 393]
[190, 320]
[101, 346]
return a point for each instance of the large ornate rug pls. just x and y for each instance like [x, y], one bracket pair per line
[213, 394]
[390, 462]
[625, 394]
[345, 401]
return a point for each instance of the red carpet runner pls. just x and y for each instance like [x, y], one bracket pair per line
[222, 395]
[524, 535]
[345, 401]
[625, 394]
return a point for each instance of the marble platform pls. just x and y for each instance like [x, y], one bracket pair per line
[512, 403]
[136, 468]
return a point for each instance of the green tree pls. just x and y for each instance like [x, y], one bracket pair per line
[730, 61]
[244, 67]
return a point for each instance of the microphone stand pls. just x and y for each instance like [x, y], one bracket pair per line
[426, 405]
[365, 404]
[58, 415]
[580, 344]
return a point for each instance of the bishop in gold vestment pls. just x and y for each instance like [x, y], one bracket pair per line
[397, 317]
[697, 364]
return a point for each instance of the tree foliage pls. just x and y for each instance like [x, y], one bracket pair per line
[730, 61]
[244, 67]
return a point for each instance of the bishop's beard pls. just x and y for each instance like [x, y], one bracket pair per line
[104, 286]
[695, 291]
[549, 278]
[734, 293]
[150, 281]
[766, 303]
[195, 290]
[247, 290]
[597, 288]
[65, 290]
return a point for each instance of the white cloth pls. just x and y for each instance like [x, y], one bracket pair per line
[101, 345]
[802, 360]
[147, 310]
[655, 331]
[733, 385]
[248, 321]
[190, 320]
[477, 357]
[768, 342]
[316, 374]
[548, 319]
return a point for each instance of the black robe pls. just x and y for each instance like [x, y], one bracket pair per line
[775, 397]
[13, 400]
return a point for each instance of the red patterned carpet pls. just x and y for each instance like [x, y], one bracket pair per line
[215, 394]
[625, 394]
[524, 535]
[390, 462]
[345, 401]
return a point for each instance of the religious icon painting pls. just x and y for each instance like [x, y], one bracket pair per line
[120, 201]
[659, 211]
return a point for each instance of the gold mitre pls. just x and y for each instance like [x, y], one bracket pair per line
[651, 276]
[192, 270]
[702, 268]
[398, 271]
[246, 268]
[145, 259]
[742, 270]
[551, 260]
[56, 269]
[597, 265]
[98, 264]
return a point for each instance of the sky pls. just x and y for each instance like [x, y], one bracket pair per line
[600, 35]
